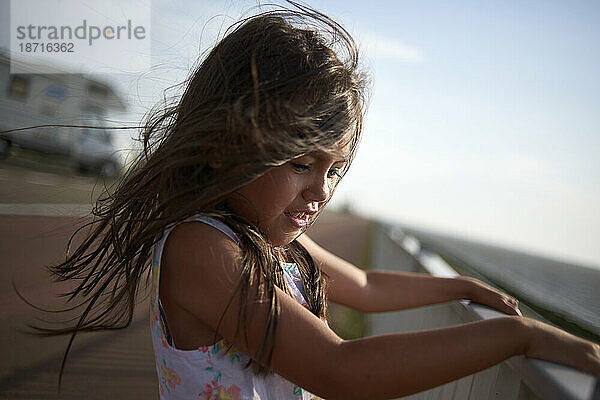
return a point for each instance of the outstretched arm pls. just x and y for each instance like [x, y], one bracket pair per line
[203, 278]
[376, 291]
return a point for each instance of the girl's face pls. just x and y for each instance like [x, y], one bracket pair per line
[285, 200]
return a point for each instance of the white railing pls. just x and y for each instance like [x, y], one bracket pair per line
[517, 378]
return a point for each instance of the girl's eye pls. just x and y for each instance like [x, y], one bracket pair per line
[334, 173]
[300, 167]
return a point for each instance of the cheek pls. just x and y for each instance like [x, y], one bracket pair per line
[282, 187]
[279, 197]
[270, 194]
[262, 198]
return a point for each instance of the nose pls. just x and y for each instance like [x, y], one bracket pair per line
[318, 190]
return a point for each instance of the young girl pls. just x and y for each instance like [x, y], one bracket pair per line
[217, 206]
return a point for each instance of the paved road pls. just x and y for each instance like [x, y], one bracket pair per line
[27, 177]
[117, 365]
[108, 365]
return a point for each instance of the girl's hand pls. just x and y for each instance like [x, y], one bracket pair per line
[488, 296]
[552, 344]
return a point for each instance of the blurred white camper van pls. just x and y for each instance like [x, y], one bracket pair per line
[30, 99]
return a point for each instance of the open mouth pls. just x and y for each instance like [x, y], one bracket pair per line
[300, 219]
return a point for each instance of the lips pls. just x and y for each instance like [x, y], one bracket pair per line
[298, 218]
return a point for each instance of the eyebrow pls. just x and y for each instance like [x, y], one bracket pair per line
[326, 156]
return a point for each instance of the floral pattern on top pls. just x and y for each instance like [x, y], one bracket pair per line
[218, 371]
[168, 377]
[293, 280]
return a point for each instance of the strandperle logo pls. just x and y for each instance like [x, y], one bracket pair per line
[82, 32]
[80, 36]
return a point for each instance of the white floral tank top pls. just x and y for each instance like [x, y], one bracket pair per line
[217, 371]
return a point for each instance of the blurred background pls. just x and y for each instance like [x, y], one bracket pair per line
[480, 138]
[483, 117]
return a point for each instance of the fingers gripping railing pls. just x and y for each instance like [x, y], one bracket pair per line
[517, 378]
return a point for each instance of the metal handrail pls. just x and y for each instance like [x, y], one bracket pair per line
[545, 379]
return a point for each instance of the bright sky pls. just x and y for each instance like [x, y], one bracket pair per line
[484, 119]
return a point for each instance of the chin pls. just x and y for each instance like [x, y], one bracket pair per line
[282, 242]
[285, 239]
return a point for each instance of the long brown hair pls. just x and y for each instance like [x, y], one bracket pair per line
[280, 84]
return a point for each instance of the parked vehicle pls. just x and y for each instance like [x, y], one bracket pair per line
[93, 150]
[33, 100]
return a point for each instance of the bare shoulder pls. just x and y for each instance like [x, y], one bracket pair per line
[199, 269]
[204, 275]
[193, 238]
